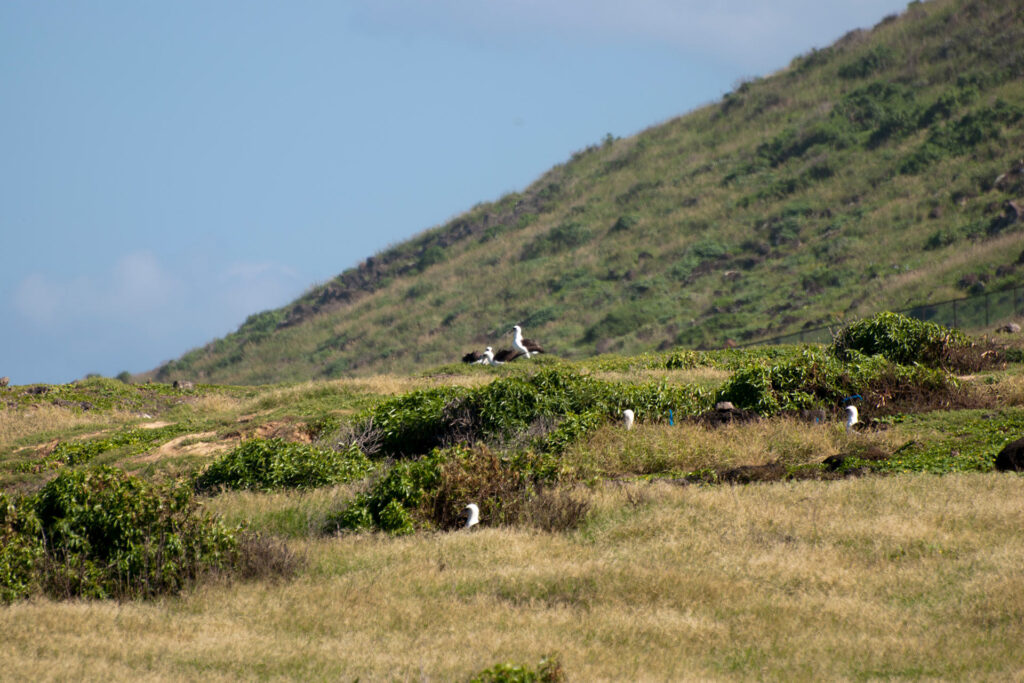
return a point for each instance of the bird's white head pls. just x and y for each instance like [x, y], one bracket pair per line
[472, 513]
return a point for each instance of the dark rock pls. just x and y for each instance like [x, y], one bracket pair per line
[727, 414]
[813, 415]
[1011, 458]
[836, 462]
[746, 474]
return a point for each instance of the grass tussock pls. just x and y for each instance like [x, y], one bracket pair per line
[659, 449]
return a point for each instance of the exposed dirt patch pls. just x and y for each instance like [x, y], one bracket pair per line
[45, 449]
[190, 444]
[156, 424]
[283, 429]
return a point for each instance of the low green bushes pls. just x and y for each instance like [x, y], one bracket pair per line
[549, 670]
[817, 378]
[274, 463]
[100, 533]
[510, 407]
[901, 339]
[431, 491]
[387, 505]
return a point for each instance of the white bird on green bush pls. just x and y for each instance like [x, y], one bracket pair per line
[472, 513]
[851, 417]
[627, 418]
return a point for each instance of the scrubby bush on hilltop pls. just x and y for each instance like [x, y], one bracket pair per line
[901, 339]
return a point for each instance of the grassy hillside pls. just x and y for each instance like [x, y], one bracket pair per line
[868, 175]
[742, 544]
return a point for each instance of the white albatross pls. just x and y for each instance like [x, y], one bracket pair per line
[524, 346]
[627, 418]
[851, 417]
[485, 358]
[472, 513]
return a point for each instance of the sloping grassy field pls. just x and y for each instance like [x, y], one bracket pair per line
[604, 554]
[873, 174]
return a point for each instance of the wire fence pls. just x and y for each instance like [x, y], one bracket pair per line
[968, 313]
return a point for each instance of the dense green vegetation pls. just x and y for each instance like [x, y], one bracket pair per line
[100, 533]
[869, 175]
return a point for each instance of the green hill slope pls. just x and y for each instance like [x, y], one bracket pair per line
[879, 172]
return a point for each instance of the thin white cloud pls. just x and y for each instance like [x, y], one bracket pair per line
[135, 284]
[37, 299]
[141, 293]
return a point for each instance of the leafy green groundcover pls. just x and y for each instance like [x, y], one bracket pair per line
[273, 463]
[420, 421]
[970, 442]
[80, 452]
[815, 378]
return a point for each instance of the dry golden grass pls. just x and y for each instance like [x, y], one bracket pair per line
[900, 577]
[659, 448]
[35, 422]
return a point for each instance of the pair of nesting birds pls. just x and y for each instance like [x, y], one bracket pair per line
[521, 347]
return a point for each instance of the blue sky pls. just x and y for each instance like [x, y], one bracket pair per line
[167, 169]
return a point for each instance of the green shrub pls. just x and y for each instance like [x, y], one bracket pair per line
[411, 423]
[431, 255]
[259, 326]
[560, 238]
[878, 59]
[625, 223]
[102, 533]
[900, 339]
[549, 670]
[274, 463]
[21, 547]
[817, 378]
[388, 504]
[624, 319]
[506, 409]
[963, 136]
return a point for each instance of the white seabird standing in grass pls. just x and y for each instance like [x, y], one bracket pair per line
[472, 513]
[851, 417]
[627, 418]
